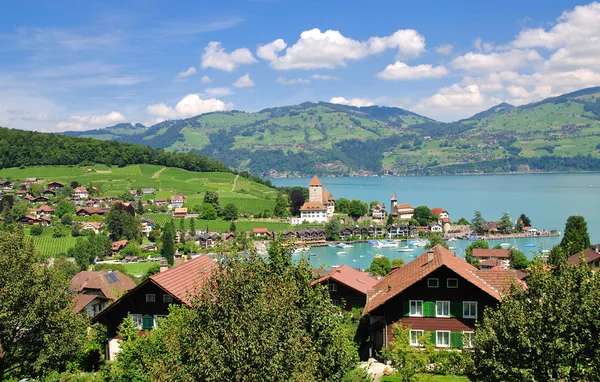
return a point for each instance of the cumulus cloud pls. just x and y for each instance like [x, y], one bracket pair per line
[189, 106]
[358, 102]
[402, 71]
[206, 80]
[331, 49]
[244, 81]
[292, 81]
[218, 92]
[86, 122]
[187, 73]
[216, 57]
[324, 77]
[444, 49]
[481, 62]
[456, 101]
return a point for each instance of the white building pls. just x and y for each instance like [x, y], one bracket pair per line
[320, 206]
[177, 201]
[80, 193]
[147, 225]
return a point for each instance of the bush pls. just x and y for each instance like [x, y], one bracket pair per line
[36, 230]
[357, 375]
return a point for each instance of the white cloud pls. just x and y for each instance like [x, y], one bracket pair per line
[292, 81]
[244, 81]
[218, 92]
[206, 80]
[444, 49]
[324, 77]
[189, 106]
[517, 91]
[86, 122]
[480, 62]
[456, 101]
[216, 57]
[187, 73]
[401, 71]
[358, 102]
[330, 49]
[478, 44]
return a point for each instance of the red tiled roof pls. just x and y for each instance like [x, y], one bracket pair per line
[437, 211]
[313, 206]
[177, 197]
[79, 189]
[445, 220]
[398, 281]
[260, 230]
[116, 245]
[353, 278]
[82, 300]
[589, 256]
[181, 281]
[98, 280]
[315, 181]
[498, 253]
[489, 263]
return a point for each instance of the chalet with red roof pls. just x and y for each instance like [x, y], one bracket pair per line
[590, 257]
[439, 295]
[55, 186]
[80, 193]
[261, 232]
[96, 289]
[116, 246]
[151, 299]
[177, 201]
[490, 258]
[348, 287]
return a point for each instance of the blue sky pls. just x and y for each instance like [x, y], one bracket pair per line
[76, 65]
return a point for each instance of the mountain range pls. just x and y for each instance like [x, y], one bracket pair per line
[335, 139]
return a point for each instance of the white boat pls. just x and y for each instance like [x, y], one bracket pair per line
[378, 256]
[389, 244]
[342, 253]
[420, 244]
[453, 239]
[301, 250]
[505, 245]
[344, 245]
[452, 248]
[405, 249]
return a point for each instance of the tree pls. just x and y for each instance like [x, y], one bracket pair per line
[36, 230]
[575, 238]
[281, 209]
[524, 220]
[232, 227]
[390, 220]
[168, 243]
[397, 262]
[152, 270]
[462, 221]
[505, 225]
[132, 249]
[478, 223]
[14, 213]
[35, 189]
[87, 249]
[546, 332]
[436, 239]
[74, 184]
[332, 229]
[64, 207]
[357, 209]
[296, 200]
[215, 340]
[342, 205]
[139, 208]
[154, 235]
[518, 260]
[380, 266]
[212, 197]
[181, 225]
[193, 226]
[39, 331]
[208, 212]
[423, 215]
[481, 244]
[230, 212]
[122, 225]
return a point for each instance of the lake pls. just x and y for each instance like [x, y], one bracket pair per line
[547, 199]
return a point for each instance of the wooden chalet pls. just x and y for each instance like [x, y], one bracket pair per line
[54, 186]
[96, 289]
[590, 257]
[151, 299]
[348, 287]
[262, 232]
[49, 193]
[490, 258]
[439, 295]
[116, 246]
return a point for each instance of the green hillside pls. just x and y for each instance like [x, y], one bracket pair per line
[336, 139]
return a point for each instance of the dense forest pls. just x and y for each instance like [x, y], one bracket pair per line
[27, 148]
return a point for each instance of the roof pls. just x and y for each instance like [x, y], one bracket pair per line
[313, 206]
[116, 245]
[315, 182]
[181, 280]
[394, 196]
[489, 263]
[82, 300]
[353, 278]
[79, 189]
[437, 211]
[180, 210]
[177, 197]
[589, 256]
[112, 284]
[498, 253]
[430, 261]
[260, 230]
[160, 200]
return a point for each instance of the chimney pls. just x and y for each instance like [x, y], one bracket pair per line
[338, 270]
[164, 265]
[389, 288]
[430, 256]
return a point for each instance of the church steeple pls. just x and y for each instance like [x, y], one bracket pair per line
[394, 199]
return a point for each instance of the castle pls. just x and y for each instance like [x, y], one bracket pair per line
[320, 205]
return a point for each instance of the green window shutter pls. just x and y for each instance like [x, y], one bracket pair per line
[147, 322]
[406, 308]
[456, 339]
[432, 337]
[429, 309]
[456, 309]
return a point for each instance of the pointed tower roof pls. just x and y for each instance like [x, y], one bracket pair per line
[394, 196]
[315, 182]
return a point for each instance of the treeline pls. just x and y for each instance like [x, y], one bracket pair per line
[27, 148]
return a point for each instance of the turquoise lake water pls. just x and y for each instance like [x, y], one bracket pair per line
[547, 199]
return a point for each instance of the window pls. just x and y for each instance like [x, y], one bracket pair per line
[414, 337]
[335, 302]
[452, 283]
[442, 308]
[416, 308]
[150, 297]
[167, 298]
[469, 309]
[442, 338]
[468, 339]
[137, 320]
[433, 283]
[333, 287]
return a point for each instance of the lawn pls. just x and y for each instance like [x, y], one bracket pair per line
[138, 269]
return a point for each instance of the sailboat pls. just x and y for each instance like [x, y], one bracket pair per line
[405, 248]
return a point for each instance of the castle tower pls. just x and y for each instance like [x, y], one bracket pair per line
[315, 190]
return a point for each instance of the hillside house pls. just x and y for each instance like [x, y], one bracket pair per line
[55, 186]
[590, 256]
[205, 240]
[150, 300]
[147, 225]
[262, 232]
[378, 212]
[348, 287]
[42, 211]
[180, 212]
[80, 193]
[117, 246]
[160, 202]
[6, 184]
[490, 258]
[95, 227]
[40, 199]
[442, 214]
[439, 295]
[148, 191]
[96, 290]
[177, 201]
